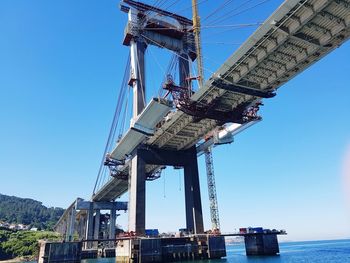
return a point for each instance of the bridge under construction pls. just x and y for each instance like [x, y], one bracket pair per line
[182, 124]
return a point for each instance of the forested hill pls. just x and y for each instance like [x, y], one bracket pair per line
[28, 212]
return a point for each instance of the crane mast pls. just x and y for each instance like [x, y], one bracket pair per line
[213, 201]
[197, 38]
[214, 211]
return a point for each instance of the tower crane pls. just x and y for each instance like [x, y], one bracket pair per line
[214, 211]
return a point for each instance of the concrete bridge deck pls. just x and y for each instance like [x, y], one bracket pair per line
[295, 36]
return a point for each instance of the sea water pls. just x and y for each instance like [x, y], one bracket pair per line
[337, 251]
[297, 252]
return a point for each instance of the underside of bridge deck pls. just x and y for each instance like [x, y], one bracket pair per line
[294, 37]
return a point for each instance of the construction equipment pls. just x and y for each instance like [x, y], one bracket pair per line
[214, 211]
[213, 202]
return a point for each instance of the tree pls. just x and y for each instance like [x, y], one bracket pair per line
[28, 212]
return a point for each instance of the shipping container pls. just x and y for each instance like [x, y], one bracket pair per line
[152, 232]
[243, 230]
[258, 230]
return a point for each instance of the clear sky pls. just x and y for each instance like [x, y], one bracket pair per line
[61, 65]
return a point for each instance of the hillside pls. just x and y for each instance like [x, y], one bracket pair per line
[23, 244]
[28, 212]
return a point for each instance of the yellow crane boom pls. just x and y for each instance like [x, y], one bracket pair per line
[214, 211]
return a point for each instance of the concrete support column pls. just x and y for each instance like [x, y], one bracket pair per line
[137, 196]
[65, 228]
[70, 225]
[112, 226]
[112, 223]
[137, 64]
[97, 224]
[90, 225]
[97, 227]
[137, 57]
[81, 227]
[85, 218]
[194, 216]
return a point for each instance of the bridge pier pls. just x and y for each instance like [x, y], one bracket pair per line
[93, 221]
[137, 196]
[137, 186]
[89, 226]
[81, 224]
[138, 41]
[193, 203]
[112, 222]
[84, 218]
[70, 224]
[97, 224]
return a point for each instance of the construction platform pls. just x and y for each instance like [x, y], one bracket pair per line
[170, 249]
[258, 242]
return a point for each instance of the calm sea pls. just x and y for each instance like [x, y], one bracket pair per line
[291, 252]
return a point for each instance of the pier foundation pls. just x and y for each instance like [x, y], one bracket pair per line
[261, 244]
[138, 250]
[64, 252]
[170, 249]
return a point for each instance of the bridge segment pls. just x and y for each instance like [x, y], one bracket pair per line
[294, 37]
[82, 220]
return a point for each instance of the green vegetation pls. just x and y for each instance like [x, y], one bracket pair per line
[28, 212]
[23, 243]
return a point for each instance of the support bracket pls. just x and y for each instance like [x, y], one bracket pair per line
[243, 90]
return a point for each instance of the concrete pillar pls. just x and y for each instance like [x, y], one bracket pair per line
[137, 57]
[104, 230]
[112, 223]
[64, 228]
[194, 216]
[112, 226]
[70, 225]
[97, 224]
[137, 64]
[80, 227]
[90, 225]
[194, 219]
[97, 227]
[83, 222]
[137, 196]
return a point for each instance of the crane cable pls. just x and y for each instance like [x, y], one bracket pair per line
[216, 10]
[171, 68]
[124, 117]
[116, 117]
[229, 14]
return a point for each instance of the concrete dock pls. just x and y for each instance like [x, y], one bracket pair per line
[170, 249]
[162, 249]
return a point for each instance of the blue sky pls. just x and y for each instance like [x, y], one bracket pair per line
[61, 65]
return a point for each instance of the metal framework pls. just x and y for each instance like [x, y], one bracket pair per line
[199, 110]
[294, 37]
[288, 42]
[213, 202]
